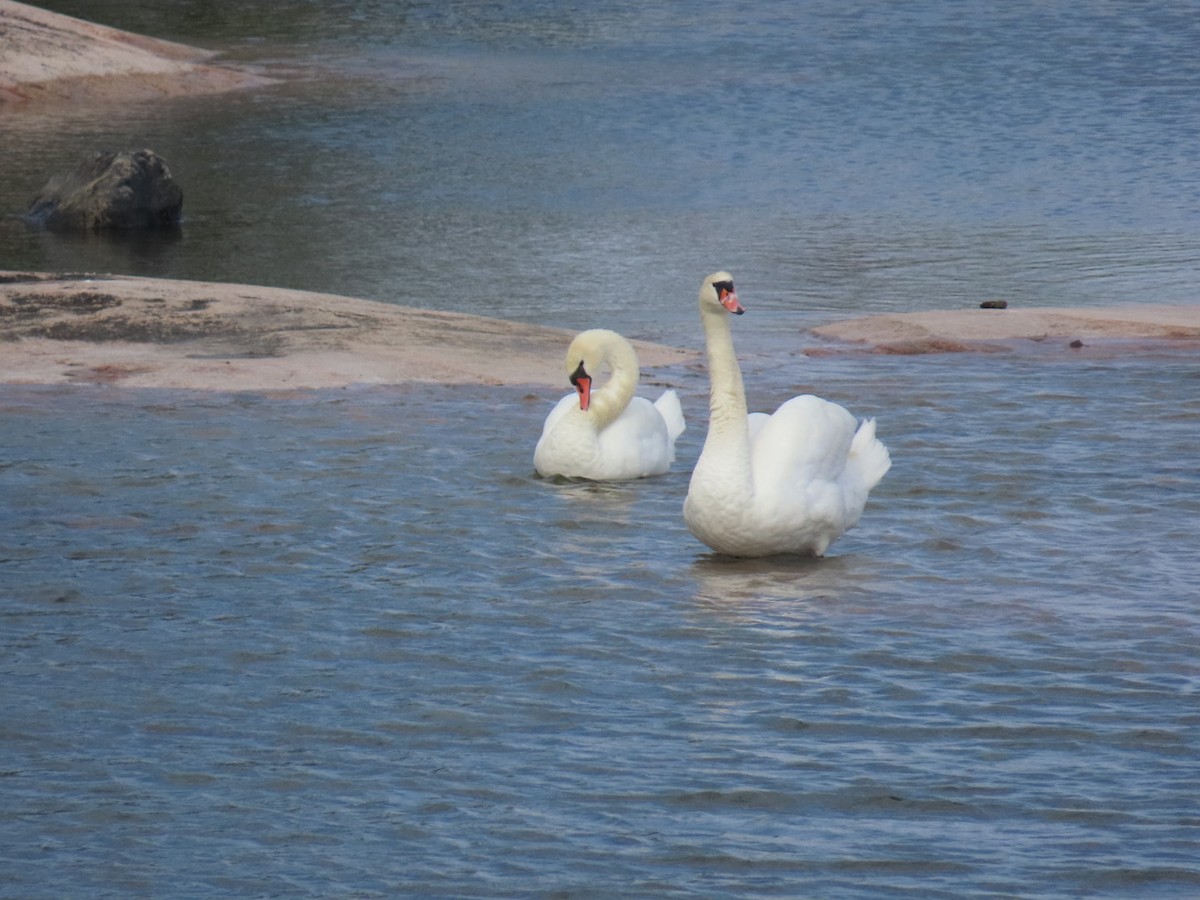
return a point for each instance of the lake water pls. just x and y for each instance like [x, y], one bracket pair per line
[345, 643]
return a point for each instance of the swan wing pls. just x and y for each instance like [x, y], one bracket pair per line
[756, 421]
[637, 443]
[807, 439]
[560, 409]
[557, 451]
[798, 460]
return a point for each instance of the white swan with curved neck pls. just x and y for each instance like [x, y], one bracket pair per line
[790, 482]
[605, 433]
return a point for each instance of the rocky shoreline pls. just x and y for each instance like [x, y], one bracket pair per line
[47, 57]
[153, 332]
[976, 330]
[145, 332]
[150, 332]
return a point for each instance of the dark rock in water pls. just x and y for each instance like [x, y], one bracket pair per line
[120, 190]
[994, 304]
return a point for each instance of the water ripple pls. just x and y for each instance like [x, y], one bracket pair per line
[264, 644]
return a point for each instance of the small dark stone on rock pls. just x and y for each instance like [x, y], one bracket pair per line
[994, 304]
[120, 190]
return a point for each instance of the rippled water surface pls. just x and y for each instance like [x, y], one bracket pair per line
[346, 644]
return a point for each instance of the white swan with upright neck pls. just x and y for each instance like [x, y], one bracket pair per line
[605, 433]
[791, 482]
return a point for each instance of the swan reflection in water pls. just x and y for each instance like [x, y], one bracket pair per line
[787, 587]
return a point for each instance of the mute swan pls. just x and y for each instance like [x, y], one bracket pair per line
[791, 482]
[606, 433]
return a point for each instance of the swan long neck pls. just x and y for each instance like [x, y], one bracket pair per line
[724, 464]
[727, 394]
[610, 400]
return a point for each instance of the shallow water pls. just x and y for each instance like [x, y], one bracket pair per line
[345, 643]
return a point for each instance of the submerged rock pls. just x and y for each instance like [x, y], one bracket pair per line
[120, 190]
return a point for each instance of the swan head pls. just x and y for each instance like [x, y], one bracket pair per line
[717, 292]
[592, 351]
[582, 382]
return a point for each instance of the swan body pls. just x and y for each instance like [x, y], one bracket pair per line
[790, 482]
[606, 433]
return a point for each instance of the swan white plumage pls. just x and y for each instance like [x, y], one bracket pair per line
[790, 482]
[605, 433]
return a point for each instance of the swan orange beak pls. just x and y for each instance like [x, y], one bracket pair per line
[729, 300]
[583, 384]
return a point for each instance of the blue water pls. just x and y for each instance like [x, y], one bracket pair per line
[345, 643]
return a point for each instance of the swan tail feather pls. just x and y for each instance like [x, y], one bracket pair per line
[869, 459]
[671, 410]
